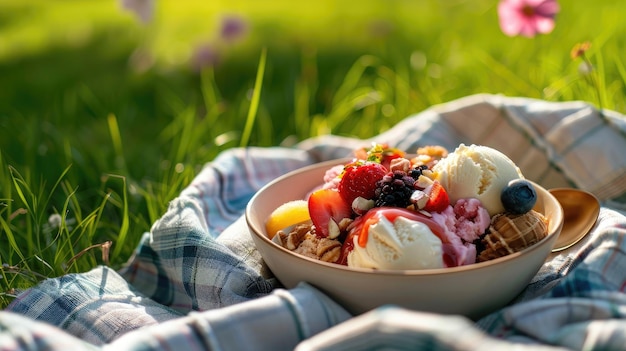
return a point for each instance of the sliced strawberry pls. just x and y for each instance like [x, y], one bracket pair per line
[326, 205]
[359, 179]
[438, 199]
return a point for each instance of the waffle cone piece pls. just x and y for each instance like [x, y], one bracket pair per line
[509, 233]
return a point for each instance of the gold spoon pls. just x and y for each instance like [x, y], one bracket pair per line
[580, 212]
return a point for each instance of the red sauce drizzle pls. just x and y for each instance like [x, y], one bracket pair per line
[362, 225]
[391, 213]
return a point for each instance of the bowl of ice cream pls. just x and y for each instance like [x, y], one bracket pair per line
[452, 279]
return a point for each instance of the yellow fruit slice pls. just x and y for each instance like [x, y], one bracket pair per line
[286, 215]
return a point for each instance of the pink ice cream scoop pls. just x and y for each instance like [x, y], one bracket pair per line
[464, 222]
[331, 177]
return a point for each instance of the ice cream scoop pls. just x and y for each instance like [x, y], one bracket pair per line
[401, 244]
[479, 172]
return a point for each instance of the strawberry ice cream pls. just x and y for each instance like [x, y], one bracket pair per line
[464, 223]
[331, 177]
[468, 219]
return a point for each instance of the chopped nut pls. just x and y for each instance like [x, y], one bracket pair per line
[344, 223]
[302, 240]
[400, 164]
[279, 238]
[423, 182]
[328, 250]
[419, 199]
[361, 205]
[333, 229]
[294, 238]
[425, 213]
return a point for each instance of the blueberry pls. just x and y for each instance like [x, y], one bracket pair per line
[519, 196]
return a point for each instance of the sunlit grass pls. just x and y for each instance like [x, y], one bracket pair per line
[32, 27]
[103, 120]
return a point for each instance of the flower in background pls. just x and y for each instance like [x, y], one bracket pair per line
[205, 55]
[527, 17]
[580, 50]
[232, 28]
[210, 54]
[143, 9]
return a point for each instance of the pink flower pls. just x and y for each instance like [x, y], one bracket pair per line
[527, 17]
[232, 28]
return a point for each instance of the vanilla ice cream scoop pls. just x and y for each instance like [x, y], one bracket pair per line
[479, 172]
[401, 244]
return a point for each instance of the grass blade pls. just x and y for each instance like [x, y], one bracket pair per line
[12, 242]
[116, 138]
[123, 231]
[254, 104]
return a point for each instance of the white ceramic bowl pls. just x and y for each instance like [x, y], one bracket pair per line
[473, 290]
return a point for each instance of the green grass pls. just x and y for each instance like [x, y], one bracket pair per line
[103, 120]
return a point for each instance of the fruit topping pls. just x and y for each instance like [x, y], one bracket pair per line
[327, 210]
[519, 196]
[394, 189]
[359, 180]
[287, 215]
[438, 199]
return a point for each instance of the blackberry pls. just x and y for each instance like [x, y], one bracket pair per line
[394, 189]
[417, 171]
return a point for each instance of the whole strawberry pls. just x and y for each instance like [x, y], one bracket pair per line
[359, 180]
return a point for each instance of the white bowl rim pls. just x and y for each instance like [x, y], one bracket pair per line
[260, 233]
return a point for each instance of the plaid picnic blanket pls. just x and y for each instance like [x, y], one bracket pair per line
[196, 281]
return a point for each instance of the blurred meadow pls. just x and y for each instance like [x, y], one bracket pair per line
[105, 116]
